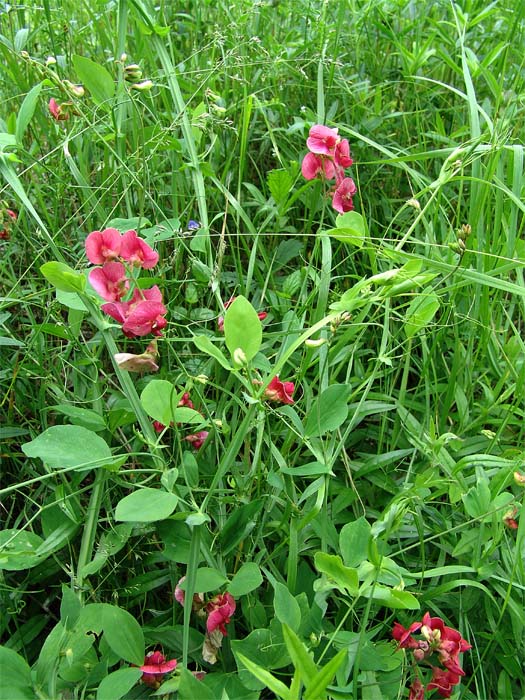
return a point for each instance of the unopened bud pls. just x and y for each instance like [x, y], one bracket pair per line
[311, 343]
[239, 356]
[144, 86]
[519, 479]
[123, 57]
[76, 90]
[201, 378]
[51, 61]
[414, 203]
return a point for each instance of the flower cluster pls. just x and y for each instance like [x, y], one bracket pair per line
[154, 668]
[327, 159]
[116, 253]
[7, 216]
[218, 612]
[437, 643]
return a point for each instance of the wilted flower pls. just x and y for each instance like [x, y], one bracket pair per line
[180, 596]
[5, 223]
[220, 610]
[197, 440]
[509, 518]
[519, 479]
[443, 681]
[139, 363]
[155, 667]
[57, 111]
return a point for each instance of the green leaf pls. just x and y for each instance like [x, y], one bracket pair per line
[27, 110]
[85, 417]
[392, 598]
[280, 183]
[421, 311]
[159, 399]
[207, 580]
[132, 224]
[123, 634]
[329, 411]
[71, 300]
[192, 689]
[118, 683]
[146, 506]
[63, 277]
[247, 579]
[205, 345]
[240, 523]
[350, 228]
[344, 576]
[242, 330]
[73, 446]
[15, 677]
[323, 678]
[353, 541]
[271, 682]
[95, 78]
[70, 607]
[287, 609]
[301, 658]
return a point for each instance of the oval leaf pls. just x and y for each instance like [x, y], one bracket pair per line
[123, 634]
[350, 228]
[242, 330]
[118, 683]
[63, 277]
[329, 411]
[287, 609]
[160, 399]
[95, 78]
[146, 506]
[343, 576]
[73, 446]
[247, 579]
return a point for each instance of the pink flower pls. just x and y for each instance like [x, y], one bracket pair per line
[110, 281]
[342, 155]
[279, 391]
[220, 610]
[158, 427]
[314, 165]
[342, 199]
[4, 232]
[322, 139]
[103, 246]
[57, 111]
[154, 668]
[220, 321]
[443, 681]
[136, 251]
[197, 440]
[143, 314]
[180, 596]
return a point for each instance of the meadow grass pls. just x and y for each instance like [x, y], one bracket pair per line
[386, 489]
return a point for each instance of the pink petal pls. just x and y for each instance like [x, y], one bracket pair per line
[322, 139]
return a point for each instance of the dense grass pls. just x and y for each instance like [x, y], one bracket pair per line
[423, 461]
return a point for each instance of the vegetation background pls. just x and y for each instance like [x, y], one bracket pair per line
[396, 460]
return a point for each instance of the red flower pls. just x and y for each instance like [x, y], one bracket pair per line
[154, 668]
[315, 165]
[220, 610]
[57, 111]
[103, 246]
[279, 391]
[322, 139]
[417, 690]
[136, 251]
[4, 232]
[443, 681]
[342, 155]
[110, 281]
[342, 199]
[403, 636]
[143, 314]
[197, 440]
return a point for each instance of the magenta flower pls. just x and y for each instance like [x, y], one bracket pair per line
[342, 155]
[137, 252]
[280, 391]
[197, 440]
[220, 610]
[57, 111]
[180, 596]
[110, 281]
[143, 314]
[342, 199]
[315, 165]
[322, 139]
[103, 246]
[155, 667]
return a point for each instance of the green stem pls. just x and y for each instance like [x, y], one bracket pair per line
[90, 528]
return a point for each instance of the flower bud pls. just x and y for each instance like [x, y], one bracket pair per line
[51, 61]
[519, 479]
[76, 90]
[144, 86]
[239, 356]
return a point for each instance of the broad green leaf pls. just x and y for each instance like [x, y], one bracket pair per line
[63, 277]
[183, 414]
[132, 224]
[421, 311]
[95, 78]
[344, 576]
[85, 417]
[159, 399]
[287, 609]
[242, 331]
[71, 300]
[70, 607]
[247, 579]
[350, 228]
[205, 345]
[280, 184]
[18, 550]
[118, 683]
[192, 689]
[123, 634]
[207, 580]
[63, 446]
[329, 411]
[270, 681]
[15, 677]
[392, 598]
[301, 658]
[146, 506]
[240, 523]
[27, 110]
[353, 541]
